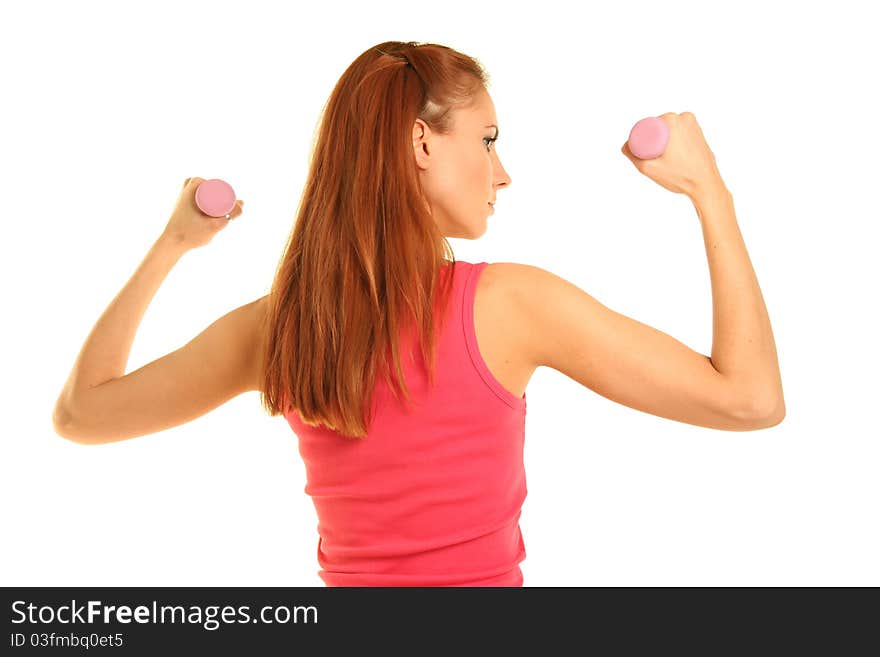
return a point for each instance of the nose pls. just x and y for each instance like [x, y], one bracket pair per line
[502, 179]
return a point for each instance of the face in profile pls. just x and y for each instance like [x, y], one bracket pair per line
[461, 172]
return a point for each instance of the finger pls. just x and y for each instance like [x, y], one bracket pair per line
[186, 182]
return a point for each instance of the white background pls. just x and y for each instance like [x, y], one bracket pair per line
[108, 107]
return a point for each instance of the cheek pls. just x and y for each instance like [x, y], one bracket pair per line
[464, 180]
[465, 175]
[479, 171]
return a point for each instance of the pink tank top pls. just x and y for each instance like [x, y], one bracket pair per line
[432, 496]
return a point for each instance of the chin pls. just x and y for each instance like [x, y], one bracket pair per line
[471, 235]
[479, 233]
[476, 230]
[469, 231]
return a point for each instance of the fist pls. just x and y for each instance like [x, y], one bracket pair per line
[188, 226]
[687, 165]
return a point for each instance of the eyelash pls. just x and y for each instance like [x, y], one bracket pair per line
[491, 141]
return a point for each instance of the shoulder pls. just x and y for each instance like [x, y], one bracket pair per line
[260, 307]
[255, 328]
[518, 283]
[517, 294]
[254, 316]
[541, 307]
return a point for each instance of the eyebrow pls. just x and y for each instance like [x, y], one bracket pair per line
[496, 129]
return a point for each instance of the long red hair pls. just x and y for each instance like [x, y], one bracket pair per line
[364, 256]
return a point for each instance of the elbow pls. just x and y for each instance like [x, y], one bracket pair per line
[779, 413]
[761, 413]
[62, 422]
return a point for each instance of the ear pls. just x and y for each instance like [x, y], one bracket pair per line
[421, 135]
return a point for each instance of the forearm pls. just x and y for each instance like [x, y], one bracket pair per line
[743, 348]
[105, 353]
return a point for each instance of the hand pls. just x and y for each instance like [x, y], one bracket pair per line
[189, 227]
[687, 166]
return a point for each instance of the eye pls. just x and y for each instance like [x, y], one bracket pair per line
[489, 141]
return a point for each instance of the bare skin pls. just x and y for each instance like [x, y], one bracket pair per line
[552, 322]
[461, 172]
[525, 317]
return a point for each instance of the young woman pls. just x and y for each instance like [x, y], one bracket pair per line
[403, 371]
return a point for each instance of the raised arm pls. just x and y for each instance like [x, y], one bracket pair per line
[738, 388]
[100, 403]
[743, 347]
[223, 361]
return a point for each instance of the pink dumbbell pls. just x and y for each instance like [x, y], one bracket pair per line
[648, 138]
[215, 198]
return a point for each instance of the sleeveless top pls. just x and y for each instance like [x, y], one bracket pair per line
[432, 495]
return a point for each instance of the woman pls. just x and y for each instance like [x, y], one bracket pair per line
[403, 371]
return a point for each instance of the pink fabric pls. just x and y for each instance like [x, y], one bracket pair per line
[433, 495]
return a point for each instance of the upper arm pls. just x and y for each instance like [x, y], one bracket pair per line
[220, 363]
[620, 358]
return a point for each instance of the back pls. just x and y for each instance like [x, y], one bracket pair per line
[433, 495]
